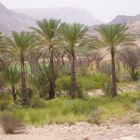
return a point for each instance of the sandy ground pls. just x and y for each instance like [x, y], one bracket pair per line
[79, 131]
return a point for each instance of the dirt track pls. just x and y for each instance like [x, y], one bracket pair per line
[79, 131]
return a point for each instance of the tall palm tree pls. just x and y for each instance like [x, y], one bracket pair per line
[114, 36]
[73, 36]
[20, 45]
[47, 31]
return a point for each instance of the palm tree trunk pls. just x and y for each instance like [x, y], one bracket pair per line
[14, 93]
[73, 76]
[52, 75]
[23, 81]
[114, 84]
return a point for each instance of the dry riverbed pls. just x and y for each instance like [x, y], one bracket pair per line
[78, 131]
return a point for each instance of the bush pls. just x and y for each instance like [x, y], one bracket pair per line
[11, 124]
[63, 83]
[95, 109]
[94, 117]
[94, 81]
[3, 105]
[38, 103]
[107, 88]
[5, 102]
[85, 83]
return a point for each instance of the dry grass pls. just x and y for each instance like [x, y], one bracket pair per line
[11, 124]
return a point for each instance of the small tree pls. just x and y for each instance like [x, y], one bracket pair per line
[130, 59]
[39, 81]
[12, 77]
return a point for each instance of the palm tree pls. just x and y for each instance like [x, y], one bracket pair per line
[12, 77]
[20, 45]
[73, 36]
[1, 40]
[47, 32]
[39, 81]
[130, 59]
[114, 36]
[4, 57]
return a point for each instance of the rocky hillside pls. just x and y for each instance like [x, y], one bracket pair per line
[66, 14]
[12, 21]
[133, 22]
[134, 26]
[124, 19]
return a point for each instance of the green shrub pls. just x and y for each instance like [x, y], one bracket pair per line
[3, 105]
[107, 88]
[63, 83]
[83, 107]
[38, 103]
[5, 102]
[63, 109]
[94, 81]
[85, 83]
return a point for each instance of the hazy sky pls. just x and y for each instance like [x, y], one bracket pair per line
[104, 10]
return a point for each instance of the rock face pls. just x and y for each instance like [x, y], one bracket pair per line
[66, 14]
[10, 21]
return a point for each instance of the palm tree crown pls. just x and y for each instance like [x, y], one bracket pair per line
[73, 34]
[47, 30]
[115, 35]
[21, 43]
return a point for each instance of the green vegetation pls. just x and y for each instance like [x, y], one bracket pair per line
[87, 82]
[61, 110]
